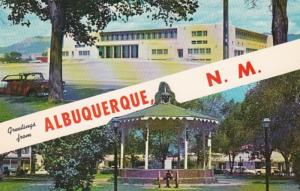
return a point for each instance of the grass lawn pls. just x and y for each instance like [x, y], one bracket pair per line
[103, 176]
[252, 184]
[13, 185]
[102, 183]
[12, 107]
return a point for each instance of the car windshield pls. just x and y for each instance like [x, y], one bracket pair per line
[12, 77]
[36, 76]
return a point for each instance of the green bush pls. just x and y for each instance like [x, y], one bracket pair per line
[72, 160]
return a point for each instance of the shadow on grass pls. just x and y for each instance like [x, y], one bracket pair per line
[79, 92]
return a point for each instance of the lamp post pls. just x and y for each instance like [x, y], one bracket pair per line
[115, 124]
[266, 126]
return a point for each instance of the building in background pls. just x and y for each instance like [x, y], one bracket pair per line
[203, 43]
[10, 162]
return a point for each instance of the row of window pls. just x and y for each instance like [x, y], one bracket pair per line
[79, 46]
[199, 51]
[159, 51]
[199, 33]
[248, 35]
[199, 41]
[124, 51]
[205, 59]
[65, 53]
[248, 50]
[84, 53]
[238, 52]
[168, 34]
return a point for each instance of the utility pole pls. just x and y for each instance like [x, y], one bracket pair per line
[225, 30]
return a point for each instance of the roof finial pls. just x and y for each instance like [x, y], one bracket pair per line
[165, 96]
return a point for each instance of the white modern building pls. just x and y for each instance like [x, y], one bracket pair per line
[199, 42]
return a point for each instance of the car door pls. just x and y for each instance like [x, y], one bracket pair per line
[13, 84]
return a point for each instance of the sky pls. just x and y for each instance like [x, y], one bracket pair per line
[210, 11]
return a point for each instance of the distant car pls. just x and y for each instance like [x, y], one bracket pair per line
[243, 170]
[41, 172]
[25, 84]
[274, 170]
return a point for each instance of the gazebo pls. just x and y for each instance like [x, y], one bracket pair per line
[165, 112]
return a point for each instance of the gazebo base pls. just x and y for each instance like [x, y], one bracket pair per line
[151, 176]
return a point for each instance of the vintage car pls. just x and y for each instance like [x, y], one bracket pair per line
[261, 171]
[24, 84]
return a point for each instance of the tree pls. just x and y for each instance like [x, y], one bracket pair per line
[45, 53]
[279, 20]
[81, 18]
[279, 30]
[2, 156]
[72, 160]
[213, 105]
[231, 135]
[160, 141]
[278, 98]
[134, 145]
[12, 57]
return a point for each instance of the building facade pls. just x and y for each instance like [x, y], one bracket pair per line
[10, 161]
[202, 43]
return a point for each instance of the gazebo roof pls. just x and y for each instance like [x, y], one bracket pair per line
[166, 111]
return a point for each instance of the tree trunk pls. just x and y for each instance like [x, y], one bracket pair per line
[287, 164]
[1, 162]
[178, 151]
[279, 21]
[231, 162]
[132, 160]
[55, 69]
[19, 171]
[33, 160]
[19, 160]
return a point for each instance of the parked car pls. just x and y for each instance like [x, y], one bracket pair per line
[274, 171]
[243, 170]
[25, 84]
[41, 172]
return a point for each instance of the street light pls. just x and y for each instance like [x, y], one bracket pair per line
[266, 126]
[115, 124]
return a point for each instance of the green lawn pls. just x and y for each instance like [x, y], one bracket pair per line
[13, 106]
[102, 182]
[103, 176]
[13, 185]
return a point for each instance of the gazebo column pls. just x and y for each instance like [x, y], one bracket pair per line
[146, 146]
[122, 148]
[209, 150]
[186, 149]
[178, 149]
[204, 150]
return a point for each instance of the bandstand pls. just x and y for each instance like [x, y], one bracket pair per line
[166, 114]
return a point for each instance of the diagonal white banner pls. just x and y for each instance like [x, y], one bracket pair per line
[187, 85]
